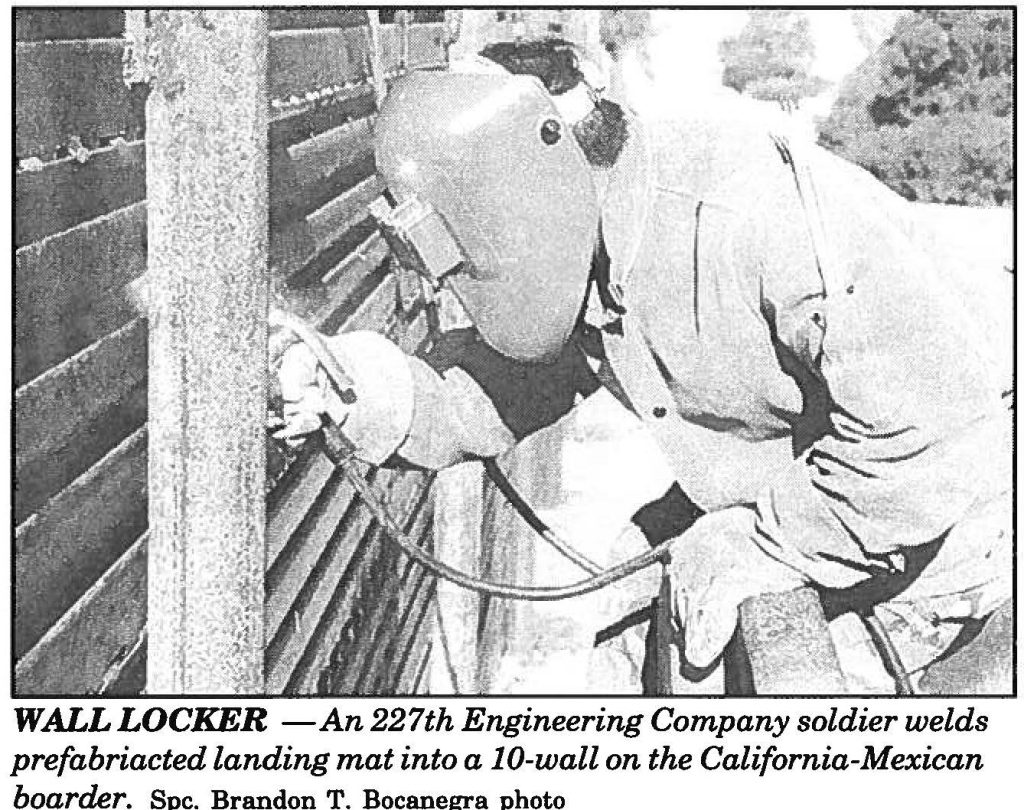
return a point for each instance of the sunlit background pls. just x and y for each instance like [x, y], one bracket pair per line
[921, 98]
[672, 56]
[682, 55]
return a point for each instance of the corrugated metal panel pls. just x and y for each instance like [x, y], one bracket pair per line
[73, 89]
[32, 24]
[97, 633]
[81, 358]
[67, 288]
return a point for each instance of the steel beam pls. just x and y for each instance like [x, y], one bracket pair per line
[206, 153]
[788, 645]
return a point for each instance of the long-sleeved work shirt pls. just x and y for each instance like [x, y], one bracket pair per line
[830, 363]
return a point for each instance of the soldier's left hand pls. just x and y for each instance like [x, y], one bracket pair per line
[715, 566]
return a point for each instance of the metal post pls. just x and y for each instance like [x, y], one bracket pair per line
[206, 156]
[458, 505]
[788, 645]
[403, 19]
[378, 77]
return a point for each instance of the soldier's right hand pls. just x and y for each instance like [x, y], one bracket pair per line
[307, 396]
[376, 422]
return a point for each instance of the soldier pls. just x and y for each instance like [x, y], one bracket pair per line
[831, 392]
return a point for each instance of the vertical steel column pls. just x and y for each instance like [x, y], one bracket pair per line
[206, 156]
[376, 48]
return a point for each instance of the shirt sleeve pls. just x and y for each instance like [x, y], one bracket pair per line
[470, 401]
[916, 428]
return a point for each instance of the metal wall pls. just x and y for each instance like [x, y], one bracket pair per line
[344, 613]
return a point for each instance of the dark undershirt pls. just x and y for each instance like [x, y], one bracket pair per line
[527, 396]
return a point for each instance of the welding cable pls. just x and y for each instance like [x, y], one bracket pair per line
[339, 451]
[887, 650]
[344, 386]
[541, 593]
[533, 520]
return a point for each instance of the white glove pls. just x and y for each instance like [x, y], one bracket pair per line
[379, 419]
[715, 566]
[307, 394]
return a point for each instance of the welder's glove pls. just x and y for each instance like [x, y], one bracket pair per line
[715, 566]
[306, 394]
[376, 422]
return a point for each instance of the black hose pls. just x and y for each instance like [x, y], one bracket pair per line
[497, 475]
[394, 532]
[340, 451]
[890, 657]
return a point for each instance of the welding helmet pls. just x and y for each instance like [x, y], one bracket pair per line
[490, 193]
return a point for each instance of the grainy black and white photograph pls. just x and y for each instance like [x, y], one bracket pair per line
[500, 351]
